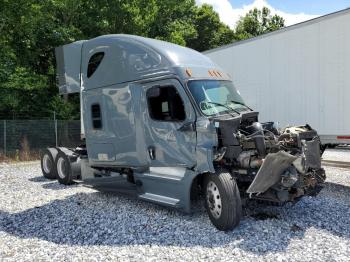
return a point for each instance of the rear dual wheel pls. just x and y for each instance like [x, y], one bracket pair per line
[223, 201]
[56, 165]
[64, 169]
[48, 166]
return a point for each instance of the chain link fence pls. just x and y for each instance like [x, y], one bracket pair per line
[25, 139]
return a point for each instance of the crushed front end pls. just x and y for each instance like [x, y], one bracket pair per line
[270, 164]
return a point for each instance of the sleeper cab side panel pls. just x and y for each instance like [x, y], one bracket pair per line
[115, 144]
[123, 61]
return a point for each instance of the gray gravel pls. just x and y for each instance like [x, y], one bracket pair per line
[43, 220]
[338, 154]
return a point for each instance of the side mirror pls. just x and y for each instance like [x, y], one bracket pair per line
[153, 92]
[188, 127]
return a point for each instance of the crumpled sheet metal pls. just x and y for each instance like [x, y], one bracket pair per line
[299, 164]
[270, 172]
[312, 154]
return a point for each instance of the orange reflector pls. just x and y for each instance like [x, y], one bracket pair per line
[343, 137]
[189, 72]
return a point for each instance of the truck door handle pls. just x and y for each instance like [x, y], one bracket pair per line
[152, 152]
[187, 127]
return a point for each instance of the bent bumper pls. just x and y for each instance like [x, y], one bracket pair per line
[284, 177]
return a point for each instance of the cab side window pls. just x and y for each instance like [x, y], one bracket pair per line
[96, 116]
[94, 62]
[165, 104]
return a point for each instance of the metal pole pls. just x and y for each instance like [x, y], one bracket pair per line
[5, 149]
[56, 136]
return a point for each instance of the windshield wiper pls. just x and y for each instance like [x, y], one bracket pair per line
[240, 103]
[222, 105]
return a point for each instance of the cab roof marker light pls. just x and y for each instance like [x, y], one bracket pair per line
[189, 72]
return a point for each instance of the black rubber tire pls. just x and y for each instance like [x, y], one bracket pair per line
[49, 172]
[64, 173]
[231, 210]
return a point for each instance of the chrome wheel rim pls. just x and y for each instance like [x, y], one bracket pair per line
[214, 199]
[61, 168]
[47, 164]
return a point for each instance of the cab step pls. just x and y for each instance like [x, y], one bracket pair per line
[160, 199]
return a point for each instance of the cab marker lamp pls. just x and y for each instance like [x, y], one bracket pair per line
[189, 72]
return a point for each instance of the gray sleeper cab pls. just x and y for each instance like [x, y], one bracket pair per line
[165, 123]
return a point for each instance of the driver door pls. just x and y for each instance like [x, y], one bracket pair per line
[169, 125]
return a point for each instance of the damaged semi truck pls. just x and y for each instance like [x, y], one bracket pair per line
[166, 124]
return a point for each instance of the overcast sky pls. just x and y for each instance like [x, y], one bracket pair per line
[293, 11]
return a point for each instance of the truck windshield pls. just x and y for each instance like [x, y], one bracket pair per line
[215, 97]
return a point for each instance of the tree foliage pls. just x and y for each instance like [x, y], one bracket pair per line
[31, 29]
[211, 32]
[258, 22]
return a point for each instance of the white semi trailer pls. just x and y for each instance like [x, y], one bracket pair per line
[299, 74]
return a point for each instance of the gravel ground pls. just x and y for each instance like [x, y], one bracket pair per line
[43, 220]
[338, 154]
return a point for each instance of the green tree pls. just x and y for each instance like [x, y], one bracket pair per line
[31, 29]
[210, 30]
[173, 21]
[257, 22]
[27, 64]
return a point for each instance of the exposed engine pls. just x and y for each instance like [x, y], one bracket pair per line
[270, 164]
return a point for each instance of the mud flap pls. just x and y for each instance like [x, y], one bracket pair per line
[270, 172]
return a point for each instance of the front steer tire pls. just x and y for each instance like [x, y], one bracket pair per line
[64, 169]
[222, 200]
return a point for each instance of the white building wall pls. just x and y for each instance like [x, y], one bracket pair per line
[296, 76]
